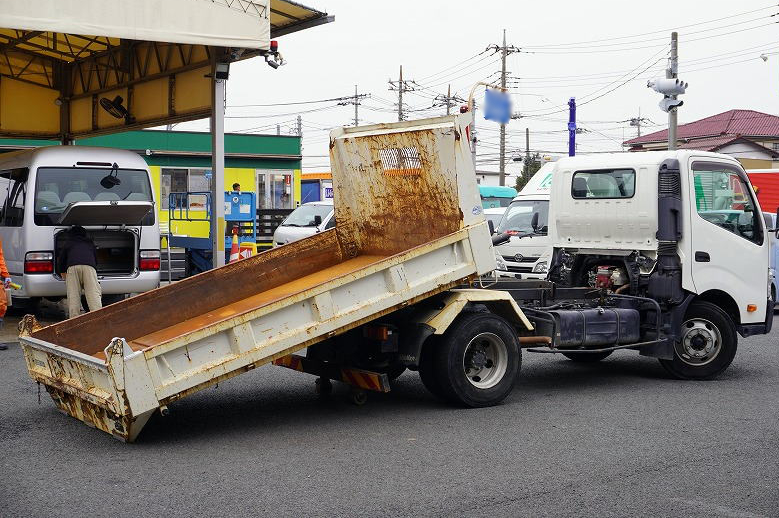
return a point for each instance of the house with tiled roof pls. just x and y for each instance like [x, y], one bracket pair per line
[750, 136]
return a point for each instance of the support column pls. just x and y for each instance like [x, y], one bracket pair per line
[218, 172]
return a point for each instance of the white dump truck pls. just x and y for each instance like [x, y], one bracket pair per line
[640, 262]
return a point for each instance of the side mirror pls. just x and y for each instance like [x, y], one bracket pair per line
[776, 230]
[534, 222]
[317, 220]
[491, 226]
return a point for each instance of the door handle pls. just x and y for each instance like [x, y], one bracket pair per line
[702, 257]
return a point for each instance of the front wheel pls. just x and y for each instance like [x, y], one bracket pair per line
[477, 360]
[707, 344]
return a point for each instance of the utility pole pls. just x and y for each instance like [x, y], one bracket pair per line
[527, 152]
[401, 86]
[474, 140]
[355, 100]
[637, 122]
[448, 100]
[300, 127]
[672, 72]
[504, 52]
[278, 129]
[356, 104]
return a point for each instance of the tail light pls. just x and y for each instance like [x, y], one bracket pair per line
[149, 260]
[39, 262]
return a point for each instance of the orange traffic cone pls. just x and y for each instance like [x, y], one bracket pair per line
[234, 249]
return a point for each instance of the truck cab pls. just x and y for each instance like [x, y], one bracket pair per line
[527, 253]
[682, 228]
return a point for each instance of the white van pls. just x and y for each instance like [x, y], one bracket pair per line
[308, 219]
[107, 191]
[527, 254]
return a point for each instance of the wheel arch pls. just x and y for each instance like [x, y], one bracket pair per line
[723, 301]
[427, 323]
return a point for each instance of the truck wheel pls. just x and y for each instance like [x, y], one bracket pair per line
[587, 357]
[477, 360]
[708, 343]
[427, 368]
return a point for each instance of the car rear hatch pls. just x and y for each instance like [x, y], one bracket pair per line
[116, 244]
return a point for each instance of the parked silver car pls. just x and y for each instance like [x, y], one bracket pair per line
[307, 220]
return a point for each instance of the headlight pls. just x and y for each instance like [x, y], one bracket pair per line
[540, 267]
[501, 265]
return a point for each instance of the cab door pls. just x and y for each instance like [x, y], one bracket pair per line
[729, 242]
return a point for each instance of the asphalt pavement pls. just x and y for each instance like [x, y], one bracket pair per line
[619, 438]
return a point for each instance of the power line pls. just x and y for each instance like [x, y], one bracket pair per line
[663, 31]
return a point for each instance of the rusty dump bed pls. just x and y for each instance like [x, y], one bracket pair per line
[409, 226]
[172, 312]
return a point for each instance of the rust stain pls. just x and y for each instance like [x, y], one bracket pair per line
[254, 302]
[89, 413]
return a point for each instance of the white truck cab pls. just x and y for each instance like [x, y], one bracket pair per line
[682, 229]
[527, 253]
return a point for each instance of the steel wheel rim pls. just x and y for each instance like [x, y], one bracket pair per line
[485, 360]
[701, 342]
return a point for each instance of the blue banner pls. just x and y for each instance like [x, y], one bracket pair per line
[497, 106]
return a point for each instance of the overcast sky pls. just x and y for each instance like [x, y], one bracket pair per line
[598, 51]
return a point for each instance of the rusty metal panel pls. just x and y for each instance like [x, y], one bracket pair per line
[398, 185]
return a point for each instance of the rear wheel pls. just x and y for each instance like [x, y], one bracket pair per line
[707, 346]
[579, 357]
[477, 360]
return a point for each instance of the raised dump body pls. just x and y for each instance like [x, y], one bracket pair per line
[409, 226]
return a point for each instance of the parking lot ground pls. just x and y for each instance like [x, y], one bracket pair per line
[616, 438]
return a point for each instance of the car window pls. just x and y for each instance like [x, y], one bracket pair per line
[723, 199]
[606, 183]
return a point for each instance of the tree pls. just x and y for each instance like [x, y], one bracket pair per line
[529, 168]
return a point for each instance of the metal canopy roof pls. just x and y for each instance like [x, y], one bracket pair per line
[62, 60]
[287, 17]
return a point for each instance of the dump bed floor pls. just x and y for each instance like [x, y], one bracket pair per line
[250, 303]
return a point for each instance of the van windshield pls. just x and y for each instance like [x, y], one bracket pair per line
[57, 187]
[519, 217]
[304, 215]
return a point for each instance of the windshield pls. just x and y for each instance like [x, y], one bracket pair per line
[57, 187]
[304, 215]
[519, 216]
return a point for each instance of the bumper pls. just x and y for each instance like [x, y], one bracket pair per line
[512, 275]
[764, 328]
[47, 285]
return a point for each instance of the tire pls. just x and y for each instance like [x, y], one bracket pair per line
[427, 368]
[477, 361]
[587, 357]
[708, 343]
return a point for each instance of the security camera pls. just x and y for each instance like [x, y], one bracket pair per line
[667, 86]
[271, 62]
[669, 103]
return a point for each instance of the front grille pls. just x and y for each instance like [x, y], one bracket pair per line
[523, 260]
[520, 269]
